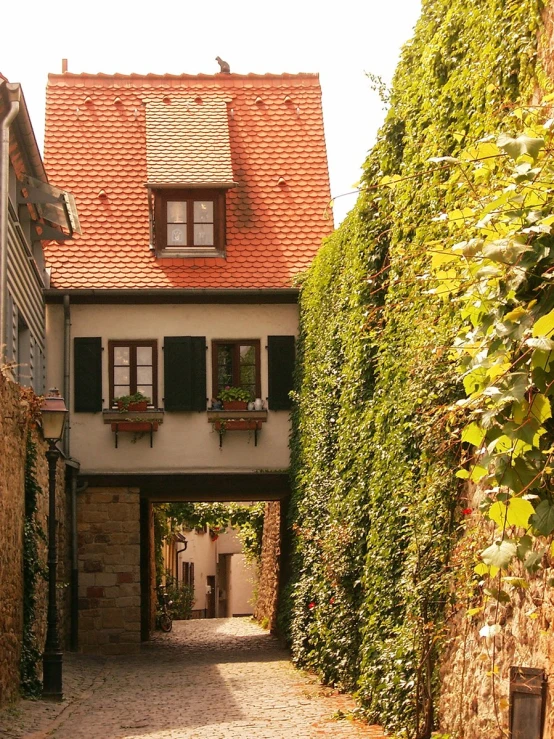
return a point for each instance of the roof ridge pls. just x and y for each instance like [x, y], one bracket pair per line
[150, 76]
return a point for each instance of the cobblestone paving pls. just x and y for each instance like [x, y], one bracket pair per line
[217, 678]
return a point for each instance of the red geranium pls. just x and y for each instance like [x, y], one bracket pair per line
[467, 511]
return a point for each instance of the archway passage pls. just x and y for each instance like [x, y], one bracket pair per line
[116, 548]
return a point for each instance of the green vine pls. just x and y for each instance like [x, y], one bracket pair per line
[375, 509]
[33, 570]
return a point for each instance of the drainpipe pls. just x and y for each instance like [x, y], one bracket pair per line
[74, 611]
[13, 98]
[66, 359]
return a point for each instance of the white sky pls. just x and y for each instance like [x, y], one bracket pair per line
[341, 41]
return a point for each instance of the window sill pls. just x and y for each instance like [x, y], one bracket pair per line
[148, 416]
[191, 253]
[237, 416]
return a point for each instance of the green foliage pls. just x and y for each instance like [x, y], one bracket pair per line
[234, 393]
[33, 570]
[373, 513]
[248, 520]
[124, 401]
[180, 596]
[500, 277]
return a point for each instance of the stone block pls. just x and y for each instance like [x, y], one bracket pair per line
[95, 592]
[93, 565]
[127, 589]
[112, 618]
[106, 579]
[94, 516]
[128, 601]
[125, 577]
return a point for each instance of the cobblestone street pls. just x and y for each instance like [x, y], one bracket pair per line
[217, 678]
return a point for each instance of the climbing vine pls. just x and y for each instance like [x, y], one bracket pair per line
[33, 571]
[375, 509]
[500, 275]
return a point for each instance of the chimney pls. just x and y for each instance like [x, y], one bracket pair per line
[64, 65]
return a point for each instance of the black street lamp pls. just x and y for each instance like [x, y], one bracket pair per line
[53, 413]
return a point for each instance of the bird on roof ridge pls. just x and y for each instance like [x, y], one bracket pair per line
[224, 66]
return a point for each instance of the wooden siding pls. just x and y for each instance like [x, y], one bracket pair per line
[25, 300]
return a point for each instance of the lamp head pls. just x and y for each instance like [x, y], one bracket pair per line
[54, 413]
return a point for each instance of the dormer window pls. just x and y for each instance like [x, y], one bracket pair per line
[189, 222]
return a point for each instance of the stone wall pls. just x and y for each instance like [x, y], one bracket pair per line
[14, 427]
[268, 582]
[475, 667]
[109, 570]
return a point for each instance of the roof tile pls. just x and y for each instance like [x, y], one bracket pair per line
[158, 129]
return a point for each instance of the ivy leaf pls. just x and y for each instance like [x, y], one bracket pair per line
[543, 519]
[540, 409]
[499, 554]
[533, 560]
[519, 512]
[524, 547]
[516, 582]
[473, 434]
[504, 251]
[522, 145]
[545, 325]
[500, 595]
[542, 343]
[498, 512]
[462, 474]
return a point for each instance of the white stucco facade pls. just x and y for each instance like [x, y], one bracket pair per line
[185, 442]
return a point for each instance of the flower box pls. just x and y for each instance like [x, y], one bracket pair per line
[136, 426]
[239, 424]
[235, 405]
[141, 406]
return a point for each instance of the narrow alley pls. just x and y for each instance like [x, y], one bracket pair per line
[216, 678]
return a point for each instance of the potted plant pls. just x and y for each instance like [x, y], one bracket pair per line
[234, 398]
[135, 402]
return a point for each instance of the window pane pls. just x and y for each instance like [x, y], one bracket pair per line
[121, 376]
[247, 354]
[144, 355]
[176, 212]
[145, 390]
[144, 375]
[247, 375]
[176, 235]
[203, 235]
[203, 211]
[119, 390]
[121, 355]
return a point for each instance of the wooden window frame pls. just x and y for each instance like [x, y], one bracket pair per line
[236, 363]
[189, 196]
[133, 344]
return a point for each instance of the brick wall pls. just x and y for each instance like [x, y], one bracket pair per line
[268, 583]
[13, 445]
[109, 570]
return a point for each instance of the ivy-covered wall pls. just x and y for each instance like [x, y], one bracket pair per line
[374, 513]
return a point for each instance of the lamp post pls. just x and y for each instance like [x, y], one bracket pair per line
[53, 413]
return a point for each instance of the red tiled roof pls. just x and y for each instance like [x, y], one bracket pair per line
[96, 147]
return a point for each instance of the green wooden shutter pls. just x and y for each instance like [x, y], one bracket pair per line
[185, 373]
[87, 374]
[281, 371]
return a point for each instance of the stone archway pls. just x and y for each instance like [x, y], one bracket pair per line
[115, 537]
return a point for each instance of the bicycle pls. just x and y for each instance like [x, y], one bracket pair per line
[164, 618]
